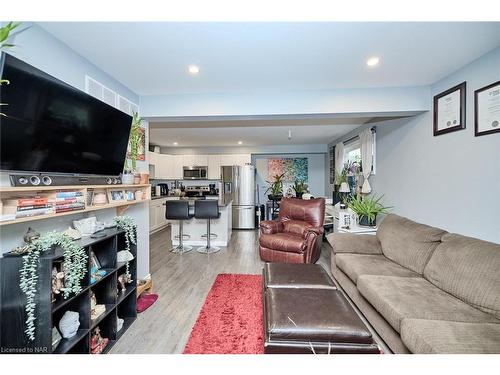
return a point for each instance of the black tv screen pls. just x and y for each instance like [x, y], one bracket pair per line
[50, 126]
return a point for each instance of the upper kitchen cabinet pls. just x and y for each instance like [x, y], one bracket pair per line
[235, 159]
[178, 164]
[195, 160]
[214, 167]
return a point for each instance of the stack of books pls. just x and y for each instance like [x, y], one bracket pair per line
[68, 201]
[25, 207]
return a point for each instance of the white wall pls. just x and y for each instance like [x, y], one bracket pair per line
[453, 180]
[316, 172]
[42, 50]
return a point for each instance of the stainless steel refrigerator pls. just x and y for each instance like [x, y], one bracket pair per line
[238, 182]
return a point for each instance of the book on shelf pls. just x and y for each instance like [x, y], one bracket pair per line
[68, 194]
[35, 212]
[25, 201]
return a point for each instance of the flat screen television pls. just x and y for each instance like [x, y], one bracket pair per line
[52, 127]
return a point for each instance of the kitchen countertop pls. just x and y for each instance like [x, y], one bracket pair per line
[223, 200]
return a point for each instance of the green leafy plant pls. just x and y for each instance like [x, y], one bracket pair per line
[135, 140]
[300, 187]
[127, 224]
[74, 264]
[5, 35]
[368, 207]
[276, 187]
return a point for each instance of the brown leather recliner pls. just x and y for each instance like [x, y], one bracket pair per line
[297, 234]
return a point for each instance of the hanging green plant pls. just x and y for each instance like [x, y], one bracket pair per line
[74, 264]
[127, 224]
[135, 140]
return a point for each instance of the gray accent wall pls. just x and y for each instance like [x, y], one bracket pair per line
[450, 181]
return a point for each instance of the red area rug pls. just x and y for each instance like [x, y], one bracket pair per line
[230, 321]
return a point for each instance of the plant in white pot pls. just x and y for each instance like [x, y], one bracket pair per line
[135, 139]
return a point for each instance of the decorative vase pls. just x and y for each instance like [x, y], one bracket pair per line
[137, 179]
[298, 195]
[364, 222]
[273, 197]
[127, 178]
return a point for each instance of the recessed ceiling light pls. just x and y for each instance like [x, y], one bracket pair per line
[193, 69]
[240, 142]
[176, 144]
[373, 61]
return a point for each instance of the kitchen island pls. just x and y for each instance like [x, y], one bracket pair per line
[195, 228]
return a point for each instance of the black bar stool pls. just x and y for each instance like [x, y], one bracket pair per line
[207, 209]
[179, 210]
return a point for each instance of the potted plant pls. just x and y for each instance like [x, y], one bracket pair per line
[135, 139]
[367, 209]
[276, 188]
[300, 187]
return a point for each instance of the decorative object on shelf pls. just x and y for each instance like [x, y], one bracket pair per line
[144, 178]
[300, 187]
[100, 198]
[137, 178]
[86, 227]
[347, 218]
[127, 224]
[69, 323]
[56, 338]
[119, 324]
[124, 256]
[90, 197]
[307, 196]
[276, 188]
[487, 110]
[139, 195]
[127, 177]
[73, 233]
[367, 209]
[449, 110]
[31, 235]
[123, 280]
[74, 266]
[116, 195]
[57, 282]
[96, 273]
[97, 342]
[95, 310]
[130, 195]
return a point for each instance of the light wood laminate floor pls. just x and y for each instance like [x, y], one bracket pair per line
[182, 283]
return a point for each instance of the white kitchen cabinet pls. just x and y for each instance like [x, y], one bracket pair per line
[177, 165]
[157, 214]
[195, 160]
[214, 167]
[188, 160]
[165, 166]
[235, 159]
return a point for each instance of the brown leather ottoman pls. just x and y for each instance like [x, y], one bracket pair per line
[290, 275]
[319, 321]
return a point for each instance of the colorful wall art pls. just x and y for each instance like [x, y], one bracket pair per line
[293, 168]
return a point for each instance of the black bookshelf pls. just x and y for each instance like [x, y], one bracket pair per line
[48, 313]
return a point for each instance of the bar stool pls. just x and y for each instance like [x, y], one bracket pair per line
[179, 210]
[207, 209]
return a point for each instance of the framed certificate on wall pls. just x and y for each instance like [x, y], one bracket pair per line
[487, 109]
[449, 110]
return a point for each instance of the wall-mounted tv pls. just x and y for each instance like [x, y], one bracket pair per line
[52, 127]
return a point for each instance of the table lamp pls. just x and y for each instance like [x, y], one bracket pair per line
[345, 190]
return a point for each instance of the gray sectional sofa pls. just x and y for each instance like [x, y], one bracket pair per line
[422, 289]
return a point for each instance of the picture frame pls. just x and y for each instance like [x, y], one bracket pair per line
[129, 194]
[449, 110]
[116, 195]
[487, 110]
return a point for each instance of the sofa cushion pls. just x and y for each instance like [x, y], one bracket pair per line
[408, 243]
[354, 243]
[288, 242]
[469, 269]
[439, 336]
[397, 298]
[355, 265]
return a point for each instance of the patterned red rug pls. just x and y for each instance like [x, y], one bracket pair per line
[230, 321]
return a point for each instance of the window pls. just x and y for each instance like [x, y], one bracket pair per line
[352, 151]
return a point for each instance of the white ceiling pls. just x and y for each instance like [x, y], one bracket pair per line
[152, 58]
[226, 132]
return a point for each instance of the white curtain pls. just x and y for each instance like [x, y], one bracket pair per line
[366, 138]
[339, 159]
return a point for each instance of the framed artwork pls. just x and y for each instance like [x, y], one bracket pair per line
[449, 110]
[130, 195]
[487, 110]
[116, 195]
[293, 168]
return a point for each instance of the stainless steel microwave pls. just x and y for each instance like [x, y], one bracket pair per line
[195, 173]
